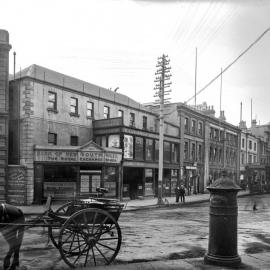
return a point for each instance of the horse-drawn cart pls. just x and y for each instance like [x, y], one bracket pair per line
[85, 231]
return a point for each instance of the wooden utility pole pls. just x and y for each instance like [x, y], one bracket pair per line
[162, 81]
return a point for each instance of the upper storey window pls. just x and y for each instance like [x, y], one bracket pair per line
[74, 106]
[106, 112]
[52, 101]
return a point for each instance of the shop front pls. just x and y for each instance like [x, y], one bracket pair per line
[71, 172]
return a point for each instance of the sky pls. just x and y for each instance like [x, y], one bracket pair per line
[116, 43]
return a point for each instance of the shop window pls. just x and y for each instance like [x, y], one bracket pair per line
[74, 140]
[114, 140]
[132, 119]
[149, 182]
[128, 146]
[138, 148]
[110, 181]
[106, 112]
[120, 113]
[52, 101]
[89, 109]
[52, 138]
[167, 151]
[144, 122]
[156, 150]
[149, 148]
[60, 181]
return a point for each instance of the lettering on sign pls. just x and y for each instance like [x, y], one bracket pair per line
[74, 156]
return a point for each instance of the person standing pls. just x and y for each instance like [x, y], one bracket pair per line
[177, 193]
[182, 193]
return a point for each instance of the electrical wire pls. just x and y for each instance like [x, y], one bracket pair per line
[233, 62]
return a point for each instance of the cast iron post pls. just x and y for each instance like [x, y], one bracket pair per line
[222, 243]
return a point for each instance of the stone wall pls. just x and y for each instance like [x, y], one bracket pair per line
[16, 188]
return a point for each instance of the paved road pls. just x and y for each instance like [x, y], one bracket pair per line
[162, 234]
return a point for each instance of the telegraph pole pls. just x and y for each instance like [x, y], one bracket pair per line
[162, 82]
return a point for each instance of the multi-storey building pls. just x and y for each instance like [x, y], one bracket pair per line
[208, 144]
[69, 136]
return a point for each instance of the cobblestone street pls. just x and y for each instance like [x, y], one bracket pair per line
[161, 234]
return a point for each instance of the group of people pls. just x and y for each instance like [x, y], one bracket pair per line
[180, 192]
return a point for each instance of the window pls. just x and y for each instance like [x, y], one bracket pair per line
[200, 152]
[132, 119]
[52, 138]
[114, 140]
[243, 143]
[175, 152]
[255, 146]
[74, 106]
[144, 122]
[193, 151]
[249, 158]
[250, 144]
[120, 113]
[106, 112]
[186, 150]
[156, 150]
[167, 151]
[149, 146]
[138, 148]
[52, 101]
[216, 134]
[74, 140]
[186, 125]
[193, 123]
[128, 146]
[89, 109]
[200, 131]
[242, 158]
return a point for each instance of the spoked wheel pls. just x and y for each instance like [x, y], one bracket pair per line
[90, 237]
[54, 232]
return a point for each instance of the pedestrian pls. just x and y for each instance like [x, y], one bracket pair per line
[182, 193]
[177, 193]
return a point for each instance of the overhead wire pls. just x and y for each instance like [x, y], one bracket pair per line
[233, 62]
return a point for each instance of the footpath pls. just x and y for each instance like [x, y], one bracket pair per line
[260, 261]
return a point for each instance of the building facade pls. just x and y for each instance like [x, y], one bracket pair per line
[69, 136]
[210, 145]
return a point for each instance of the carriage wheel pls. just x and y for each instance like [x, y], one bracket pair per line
[54, 232]
[90, 237]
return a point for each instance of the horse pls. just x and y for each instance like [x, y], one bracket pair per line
[13, 233]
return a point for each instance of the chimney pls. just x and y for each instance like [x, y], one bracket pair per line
[253, 123]
[222, 116]
[242, 125]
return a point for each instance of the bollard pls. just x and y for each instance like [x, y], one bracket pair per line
[222, 243]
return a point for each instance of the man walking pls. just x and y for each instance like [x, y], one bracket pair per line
[182, 193]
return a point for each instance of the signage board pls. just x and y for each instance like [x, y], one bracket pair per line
[77, 156]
